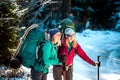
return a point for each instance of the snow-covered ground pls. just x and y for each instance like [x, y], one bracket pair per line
[103, 43]
[106, 44]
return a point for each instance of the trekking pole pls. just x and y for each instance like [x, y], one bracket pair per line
[98, 65]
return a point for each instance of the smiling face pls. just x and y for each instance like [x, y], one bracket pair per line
[56, 38]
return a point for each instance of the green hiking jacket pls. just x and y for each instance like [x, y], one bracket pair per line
[47, 56]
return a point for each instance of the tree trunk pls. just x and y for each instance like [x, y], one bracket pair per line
[66, 8]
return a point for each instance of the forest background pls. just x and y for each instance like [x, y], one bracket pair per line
[17, 15]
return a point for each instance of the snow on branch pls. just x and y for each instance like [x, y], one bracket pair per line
[6, 18]
[49, 1]
[45, 2]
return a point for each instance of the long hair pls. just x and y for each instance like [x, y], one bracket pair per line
[74, 43]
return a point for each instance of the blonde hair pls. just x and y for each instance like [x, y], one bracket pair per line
[58, 43]
[74, 43]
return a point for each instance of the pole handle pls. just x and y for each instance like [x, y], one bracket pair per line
[98, 59]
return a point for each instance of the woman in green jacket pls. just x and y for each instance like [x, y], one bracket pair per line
[47, 56]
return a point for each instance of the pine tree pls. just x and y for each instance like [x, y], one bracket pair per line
[103, 13]
[83, 11]
[8, 30]
[99, 11]
[116, 16]
[46, 13]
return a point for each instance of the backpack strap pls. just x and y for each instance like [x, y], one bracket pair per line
[39, 45]
[37, 48]
[28, 30]
[63, 34]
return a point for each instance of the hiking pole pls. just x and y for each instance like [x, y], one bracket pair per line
[98, 65]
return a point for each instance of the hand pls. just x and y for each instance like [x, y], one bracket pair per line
[97, 64]
[68, 66]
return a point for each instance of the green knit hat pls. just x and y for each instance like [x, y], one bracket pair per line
[66, 23]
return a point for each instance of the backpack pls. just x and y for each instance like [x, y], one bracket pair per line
[66, 23]
[28, 46]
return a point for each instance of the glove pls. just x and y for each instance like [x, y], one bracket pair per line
[97, 64]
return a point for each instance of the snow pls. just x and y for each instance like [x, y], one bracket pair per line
[105, 44]
[95, 43]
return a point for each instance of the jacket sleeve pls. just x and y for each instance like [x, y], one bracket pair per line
[83, 55]
[47, 55]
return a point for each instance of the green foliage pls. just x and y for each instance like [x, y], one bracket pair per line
[8, 30]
